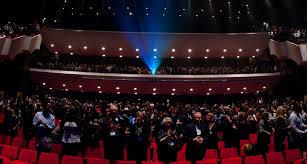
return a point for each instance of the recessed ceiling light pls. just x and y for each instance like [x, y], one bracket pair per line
[52, 45]
[253, 56]
[98, 87]
[66, 89]
[222, 57]
[228, 89]
[244, 88]
[174, 89]
[173, 50]
[189, 57]
[257, 50]
[241, 92]
[240, 50]
[56, 52]
[71, 53]
[64, 85]
[137, 57]
[173, 94]
[225, 50]
[50, 88]
[80, 86]
[208, 93]
[210, 89]
[189, 50]
[172, 57]
[155, 50]
[154, 89]
[238, 57]
[44, 83]
[103, 48]
[191, 89]
[100, 91]
[264, 87]
[154, 93]
[69, 46]
[103, 55]
[85, 47]
[207, 50]
[120, 49]
[206, 57]
[155, 57]
[137, 50]
[135, 89]
[117, 88]
[258, 91]
[120, 56]
[118, 93]
[135, 93]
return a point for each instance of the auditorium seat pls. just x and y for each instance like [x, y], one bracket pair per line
[28, 156]
[152, 162]
[125, 162]
[56, 148]
[271, 147]
[19, 142]
[228, 153]
[242, 143]
[293, 155]
[48, 158]
[6, 161]
[181, 155]
[94, 152]
[274, 158]
[97, 161]
[10, 152]
[235, 160]
[181, 162]
[252, 139]
[211, 154]
[154, 154]
[32, 144]
[5, 140]
[254, 160]
[221, 145]
[71, 160]
[209, 161]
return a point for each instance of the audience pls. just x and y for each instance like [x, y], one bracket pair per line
[296, 35]
[134, 125]
[13, 30]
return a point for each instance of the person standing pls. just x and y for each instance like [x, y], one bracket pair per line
[264, 133]
[195, 135]
[281, 129]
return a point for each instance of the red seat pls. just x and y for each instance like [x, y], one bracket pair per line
[48, 158]
[94, 152]
[6, 140]
[242, 143]
[97, 161]
[152, 162]
[155, 155]
[6, 161]
[221, 145]
[10, 152]
[211, 154]
[56, 149]
[19, 142]
[126, 162]
[274, 158]
[293, 155]
[252, 139]
[271, 147]
[209, 161]
[181, 162]
[181, 156]
[27, 156]
[228, 153]
[254, 160]
[235, 160]
[72, 160]
[32, 144]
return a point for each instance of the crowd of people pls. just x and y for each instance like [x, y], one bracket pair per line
[164, 69]
[135, 125]
[11, 29]
[296, 35]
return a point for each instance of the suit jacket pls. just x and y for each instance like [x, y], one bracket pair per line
[194, 150]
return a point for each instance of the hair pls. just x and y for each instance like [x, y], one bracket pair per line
[167, 120]
[265, 116]
[280, 112]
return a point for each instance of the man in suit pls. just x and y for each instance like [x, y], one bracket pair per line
[195, 135]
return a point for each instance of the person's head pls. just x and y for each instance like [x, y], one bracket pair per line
[139, 117]
[197, 117]
[265, 116]
[167, 122]
[242, 116]
[210, 118]
[280, 112]
[47, 109]
[297, 107]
